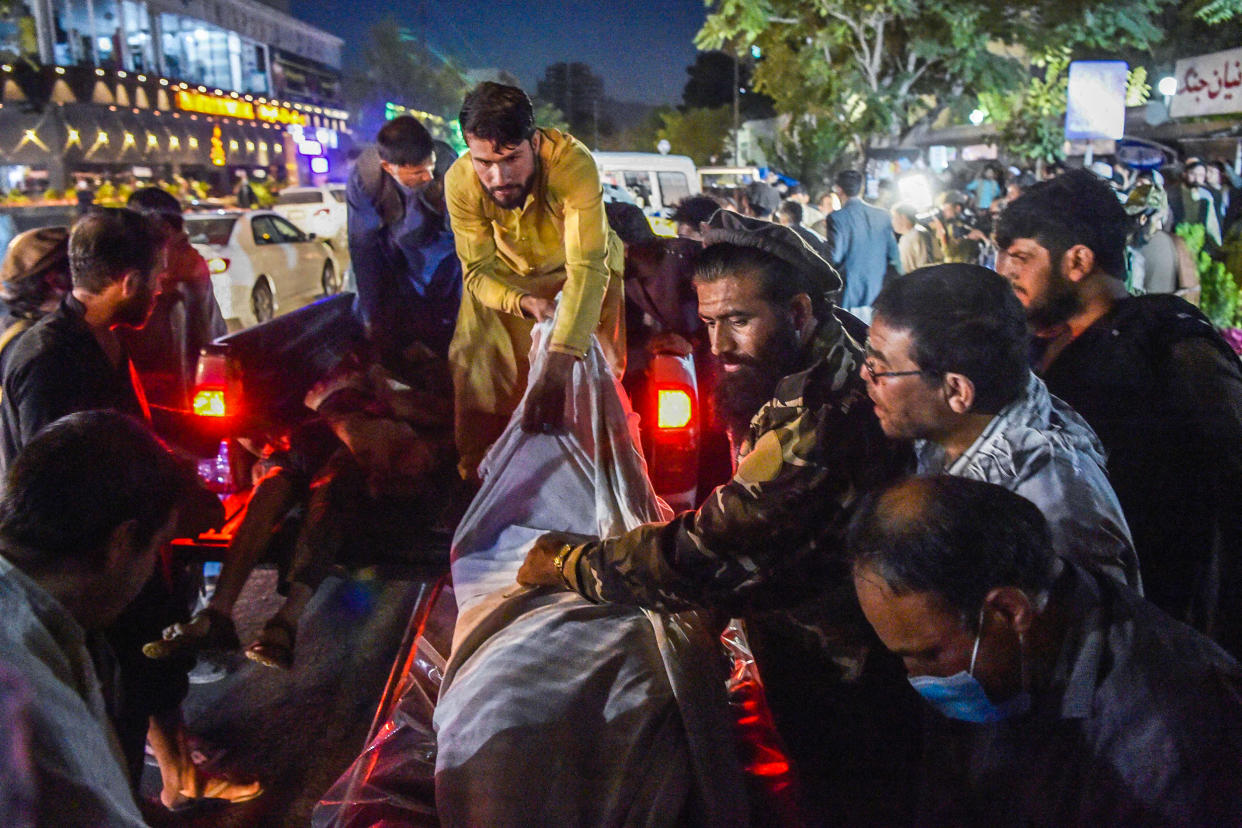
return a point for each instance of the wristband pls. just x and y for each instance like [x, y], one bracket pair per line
[559, 563]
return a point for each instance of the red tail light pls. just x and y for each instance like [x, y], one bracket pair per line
[210, 402]
[674, 408]
[216, 392]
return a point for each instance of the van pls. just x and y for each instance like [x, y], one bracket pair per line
[655, 182]
[734, 178]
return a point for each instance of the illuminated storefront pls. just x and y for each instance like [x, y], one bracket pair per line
[148, 84]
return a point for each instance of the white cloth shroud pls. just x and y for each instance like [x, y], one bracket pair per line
[555, 711]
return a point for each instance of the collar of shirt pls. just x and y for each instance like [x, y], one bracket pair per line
[46, 611]
[1076, 674]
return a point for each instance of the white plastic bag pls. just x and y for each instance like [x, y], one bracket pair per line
[554, 710]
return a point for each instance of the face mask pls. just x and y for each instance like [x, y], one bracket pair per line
[961, 696]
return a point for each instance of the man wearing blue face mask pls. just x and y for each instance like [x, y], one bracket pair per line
[1063, 697]
[404, 259]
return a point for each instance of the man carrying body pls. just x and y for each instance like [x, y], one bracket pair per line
[863, 245]
[1156, 383]
[61, 580]
[1061, 697]
[528, 216]
[771, 538]
[947, 366]
[408, 275]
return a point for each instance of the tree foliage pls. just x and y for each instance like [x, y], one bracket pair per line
[405, 71]
[807, 152]
[711, 85]
[578, 93]
[1031, 117]
[547, 115]
[641, 136]
[702, 134]
[1219, 11]
[882, 68]
[1218, 296]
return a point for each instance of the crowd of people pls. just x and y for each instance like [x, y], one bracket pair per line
[981, 530]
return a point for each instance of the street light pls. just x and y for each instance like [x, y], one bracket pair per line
[1167, 86]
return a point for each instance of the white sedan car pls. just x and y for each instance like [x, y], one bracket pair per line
[261, 265]
[319, 210]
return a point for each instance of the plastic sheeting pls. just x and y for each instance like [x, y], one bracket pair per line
[392, 783]
[554, 710]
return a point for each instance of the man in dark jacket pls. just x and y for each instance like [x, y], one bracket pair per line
[1153, 379]
[1060, 697]
[406, 266]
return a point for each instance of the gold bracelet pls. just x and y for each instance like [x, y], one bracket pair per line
[559, 563]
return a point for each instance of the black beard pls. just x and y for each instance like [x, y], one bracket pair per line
[740, 394]
[517, 200]
[1059, 303]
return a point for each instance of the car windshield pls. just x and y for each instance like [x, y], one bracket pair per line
[210, 229]
[338, 193]
[303, 197]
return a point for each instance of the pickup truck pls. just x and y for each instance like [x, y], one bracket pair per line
[255, 378]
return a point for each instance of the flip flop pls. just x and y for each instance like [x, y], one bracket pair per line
[274, 647]
[221, 635]
[216, 791]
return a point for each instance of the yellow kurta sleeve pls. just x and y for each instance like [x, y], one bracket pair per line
[476, 244]
[574, 181]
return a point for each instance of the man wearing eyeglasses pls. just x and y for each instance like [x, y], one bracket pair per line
[768, 546]
[946, 366]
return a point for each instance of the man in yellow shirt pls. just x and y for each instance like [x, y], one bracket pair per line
[527, 213]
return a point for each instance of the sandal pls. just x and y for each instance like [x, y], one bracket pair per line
[274, 647]
[208, 629]
[214, 789]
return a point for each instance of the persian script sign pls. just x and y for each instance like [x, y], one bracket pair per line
[1208, 85]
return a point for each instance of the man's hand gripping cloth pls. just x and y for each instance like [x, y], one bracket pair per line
[555, 711]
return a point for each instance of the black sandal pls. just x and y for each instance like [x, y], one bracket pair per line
[274, 650]
[179, 639]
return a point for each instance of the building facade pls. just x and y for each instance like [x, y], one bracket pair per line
[158, 88]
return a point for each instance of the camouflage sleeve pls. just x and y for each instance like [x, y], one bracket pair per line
[760, 541]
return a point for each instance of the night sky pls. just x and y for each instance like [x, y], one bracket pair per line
[639, 49]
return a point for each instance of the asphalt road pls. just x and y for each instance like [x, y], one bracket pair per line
[297, 731]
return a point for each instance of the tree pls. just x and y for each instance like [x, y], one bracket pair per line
[642, 136]
[403, 70]
[808, 152]
[702, 134]
[711, 85]
[888, 67]
[1031, 117]
[579, 93]
[547, 115]
[1219, 11]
